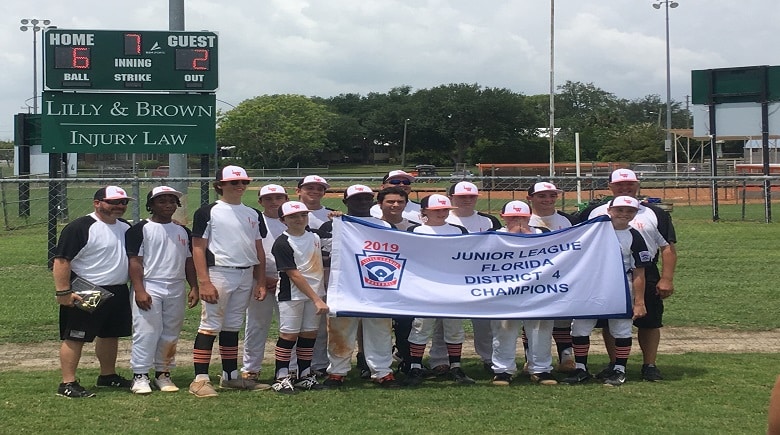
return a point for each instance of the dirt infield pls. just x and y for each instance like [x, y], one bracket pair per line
[675, 340]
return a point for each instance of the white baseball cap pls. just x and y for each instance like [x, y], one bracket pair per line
[270, 189]
[111, 192]
[622, 175]
[163, 190]
[464, 188]
[230, 173]
[313, 179]
[292, 207]
[436, 202]
[357, 189]
[397, 174]
[543, 186]
[516, 208]
[624, 201]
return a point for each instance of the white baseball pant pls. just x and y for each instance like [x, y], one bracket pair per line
[377, 344]
[156, 330]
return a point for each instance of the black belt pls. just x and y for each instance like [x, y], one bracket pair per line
[235, 267]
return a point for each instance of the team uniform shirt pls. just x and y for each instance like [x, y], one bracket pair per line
[553, 222]
[231, 231]
[303, 253]
[169, 248]
[476, 223]
[411, 211]
[96, 250]
[438, 230]
[318, 217]
[404, 224]
[275, 229]
[633, 249]
[648, 224]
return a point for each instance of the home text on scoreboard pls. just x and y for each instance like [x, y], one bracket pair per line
[130, 60]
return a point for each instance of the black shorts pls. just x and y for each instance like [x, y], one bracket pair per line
[113, 319]
[653, 302]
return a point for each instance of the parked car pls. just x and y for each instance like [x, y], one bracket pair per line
[461, 175]
[161, 171]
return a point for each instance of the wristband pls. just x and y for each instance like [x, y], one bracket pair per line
[63, 292]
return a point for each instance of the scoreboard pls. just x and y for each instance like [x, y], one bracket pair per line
[130, 60]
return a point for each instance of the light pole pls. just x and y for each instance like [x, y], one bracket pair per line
[35, 25]
[668, 144]
[403, 145]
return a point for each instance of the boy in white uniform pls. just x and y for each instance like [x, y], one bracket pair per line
[434, 210]
[260, 313]
[160, 260]
[227, 249]
[298, 256]
[636, 257]
[517, 216]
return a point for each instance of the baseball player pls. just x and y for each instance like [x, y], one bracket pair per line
[160, 261]
[517, 216]
[402, 180]
[656, 227]
[227, 250]
[464, 196]
[311, 189]
[636, 257]
[343, 331]
[542, 198]
[392, 201]
[434, 210]
[298, 256]
[93, 248]
[260, 313]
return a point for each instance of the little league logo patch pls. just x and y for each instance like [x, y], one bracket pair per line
[380, 270]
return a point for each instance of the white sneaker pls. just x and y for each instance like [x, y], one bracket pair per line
[141, 384]
[165, 384]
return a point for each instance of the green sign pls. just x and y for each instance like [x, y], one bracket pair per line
[128, 123]
[748, 84]
[130, 60]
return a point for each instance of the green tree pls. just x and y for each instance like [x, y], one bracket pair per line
[276, 130]
[633, 143]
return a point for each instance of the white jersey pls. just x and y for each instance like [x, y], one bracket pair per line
[231, 231]
[645, 222]
[411, 211]
[318, 217]
[303, 253]
[95, 249]
[553, 222]
[475, 223]
[275, 228]
[438, 230]
[164, 248]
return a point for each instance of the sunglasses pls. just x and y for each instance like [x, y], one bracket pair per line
[116, 201]
[397, 182]
[237, 182]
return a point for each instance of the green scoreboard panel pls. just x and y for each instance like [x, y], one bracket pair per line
[130, 60]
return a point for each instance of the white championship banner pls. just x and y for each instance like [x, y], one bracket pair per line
[380, 272]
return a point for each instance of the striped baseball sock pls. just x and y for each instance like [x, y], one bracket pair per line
[304, 351]
[201, 353]
[581, 347]
[622, 351]
[228, 353]
[282, 353]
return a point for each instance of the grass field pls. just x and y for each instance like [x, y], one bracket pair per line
[724, 280]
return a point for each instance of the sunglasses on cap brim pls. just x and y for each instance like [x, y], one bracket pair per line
[123, 201]
[405, 182]
[237, 182]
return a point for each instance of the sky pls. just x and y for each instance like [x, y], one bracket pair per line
[329, 47]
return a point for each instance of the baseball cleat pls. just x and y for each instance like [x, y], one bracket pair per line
[283, 386]
[457, 374]
[414, 378]
[203, 389]
[578, 376]
[501, 379]
[114, 381]
[73, 390]
[165, 384]
[544, 378]
[651, 373]
[141, 384]
[606, 371]
[617, 379]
